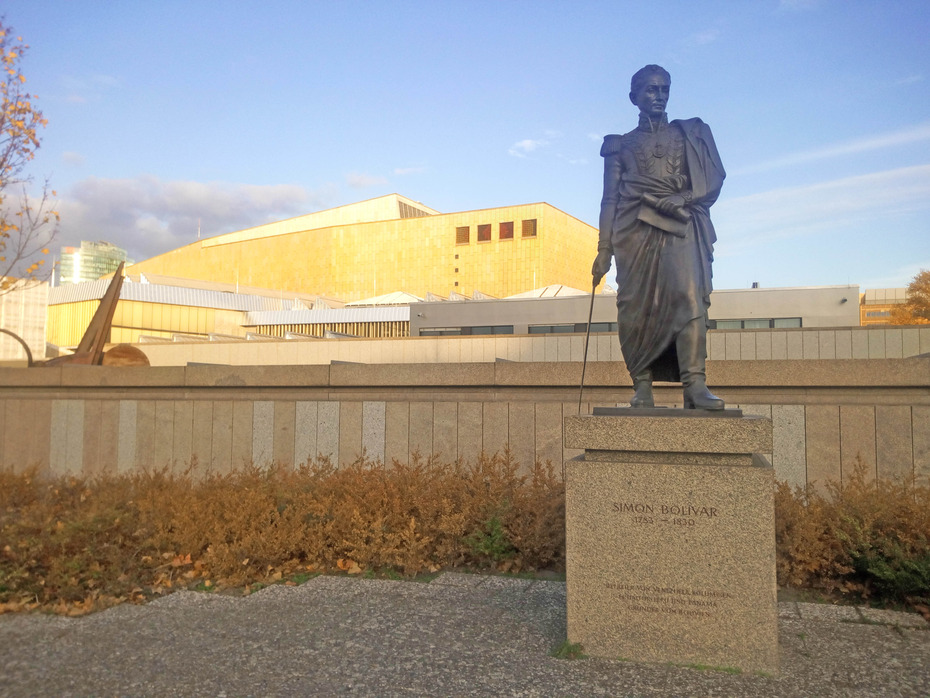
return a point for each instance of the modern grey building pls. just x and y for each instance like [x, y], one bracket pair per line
[567, 311]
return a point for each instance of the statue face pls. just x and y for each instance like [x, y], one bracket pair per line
[652, 97]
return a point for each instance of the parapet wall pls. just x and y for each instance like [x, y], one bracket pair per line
[723, 345]
[104, 419]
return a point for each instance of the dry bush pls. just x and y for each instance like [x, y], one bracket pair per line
[869, 537]
[74, 544]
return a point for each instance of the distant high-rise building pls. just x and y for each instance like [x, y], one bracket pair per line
[89, 262]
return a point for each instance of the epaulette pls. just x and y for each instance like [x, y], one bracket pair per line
[611, 145]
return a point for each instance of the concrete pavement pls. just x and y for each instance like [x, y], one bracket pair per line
[461, 635]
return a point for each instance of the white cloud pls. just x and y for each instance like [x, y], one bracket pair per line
[833, 205]
[521, 149]
[70, 157]
[907, 136]
[703, 38]
[360, 180]
[148, 216]
[910, 79]
[80, 90]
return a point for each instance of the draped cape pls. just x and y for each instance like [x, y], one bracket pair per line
[663, 279]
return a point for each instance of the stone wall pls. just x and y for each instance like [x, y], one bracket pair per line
[723, 345]
[100, 419]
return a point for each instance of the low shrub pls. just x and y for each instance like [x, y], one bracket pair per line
[76, 544]
[73, 544]
[865, 537]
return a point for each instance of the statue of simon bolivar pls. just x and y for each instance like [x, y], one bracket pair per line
[660, 180]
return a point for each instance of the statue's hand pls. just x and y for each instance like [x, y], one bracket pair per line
[601, 265]
[670, 204]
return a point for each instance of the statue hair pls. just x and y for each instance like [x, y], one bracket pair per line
[643, 74]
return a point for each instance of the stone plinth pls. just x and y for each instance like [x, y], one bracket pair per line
[670, 540]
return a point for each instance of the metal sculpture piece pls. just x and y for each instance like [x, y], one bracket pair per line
[89, 351]
[660, 180]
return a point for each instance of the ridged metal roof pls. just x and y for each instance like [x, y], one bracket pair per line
[320, 317]
[169, 295]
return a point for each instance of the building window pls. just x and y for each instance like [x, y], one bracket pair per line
[506, 231]
[529, 228]
[488, 329]
[484, 233]
[878, 313]
[481, 329]
[756, 324]
[786, 322]
[440, 331]
[456, 270]
[462, 235]
[577, 328]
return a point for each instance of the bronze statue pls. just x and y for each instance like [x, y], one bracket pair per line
[660, 181]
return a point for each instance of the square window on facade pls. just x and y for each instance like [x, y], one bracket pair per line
[506, 230]
[462, 236]
[484, 233]
[529, 228]
[787, 322]
[729, 324]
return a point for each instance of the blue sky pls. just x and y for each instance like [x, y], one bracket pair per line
[165, 115]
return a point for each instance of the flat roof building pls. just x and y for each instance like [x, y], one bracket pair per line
[395, 244]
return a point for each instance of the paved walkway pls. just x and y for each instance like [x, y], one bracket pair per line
[459, 635]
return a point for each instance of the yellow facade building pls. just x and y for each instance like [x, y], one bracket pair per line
[395, 244]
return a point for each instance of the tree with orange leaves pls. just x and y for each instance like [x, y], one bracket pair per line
[27, 224]
[916, 309]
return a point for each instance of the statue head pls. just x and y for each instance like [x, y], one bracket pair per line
[649, 90]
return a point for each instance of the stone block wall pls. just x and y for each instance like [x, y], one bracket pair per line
[723, 345]
[89, 420]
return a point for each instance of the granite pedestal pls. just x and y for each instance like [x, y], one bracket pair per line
[670, 539]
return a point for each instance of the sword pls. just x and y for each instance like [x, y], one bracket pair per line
[587, 337]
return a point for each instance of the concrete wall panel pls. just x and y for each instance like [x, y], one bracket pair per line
[894, 443]
[305, 438]
[222, 436]
[857, 438]
[823, 444]
[262, 432]
[522, 433]
[396, 431]
[445, 430]
[327, 432]
[285, 416]
[373, 428]
[421, 428]
[350, 431]
[470, 429]
[920, 416]
[202, 440]
[145, 434]
[183, 432]
[789, 449]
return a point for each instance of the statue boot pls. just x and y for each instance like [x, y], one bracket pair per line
[691, 346]
[642, 383]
